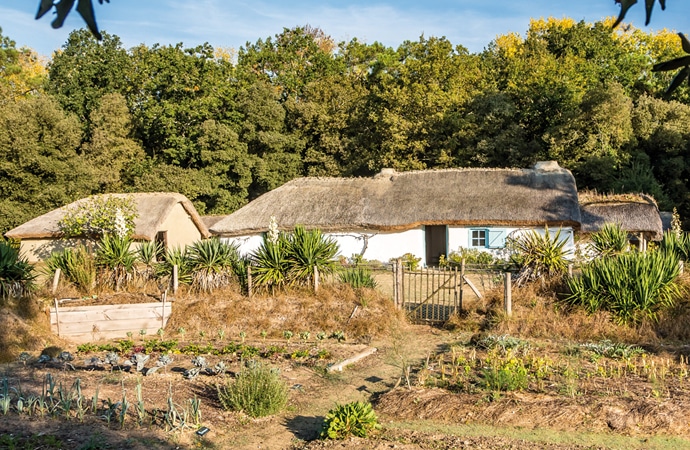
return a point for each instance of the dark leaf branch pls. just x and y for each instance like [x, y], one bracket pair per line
[63, 8]
[626, 4]
[683, 61]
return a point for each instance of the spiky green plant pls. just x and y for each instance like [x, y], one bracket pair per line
[539, 256]
[77, 265]
[179, 257]
[16, 274]
[212, 263]
[352, 419]
[147, 254]
[610, 240]
[307, 250]
[357, 277]
[115, 259]
[270, 263]
[632, 286]
[676, 242]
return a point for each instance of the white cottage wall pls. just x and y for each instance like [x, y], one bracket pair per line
[460, 237]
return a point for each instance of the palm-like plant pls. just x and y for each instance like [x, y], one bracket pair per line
[179, 257]
[632, 286]
[539, 256]
[76, 264]
[676, 243]
[116, 259]
[16, 274]
[147, 254]
[308, 250]
[212, 263]
[271, 263]
[610, 240]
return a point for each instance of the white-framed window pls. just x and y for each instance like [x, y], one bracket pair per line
[487, 238]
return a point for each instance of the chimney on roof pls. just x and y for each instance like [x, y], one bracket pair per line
[547, 166]
[386, 172]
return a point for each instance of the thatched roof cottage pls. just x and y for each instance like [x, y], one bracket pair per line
[637, 214]
[426, 213]
[167, 217]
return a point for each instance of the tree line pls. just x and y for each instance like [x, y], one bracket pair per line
[224, 126]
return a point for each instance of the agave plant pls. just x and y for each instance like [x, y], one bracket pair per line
[308, 250]
[77, 266]
[212, 263]
[116, 259]
[610, 240]
[632, 286]
[271, 263]
[539, 256]
[16, 274]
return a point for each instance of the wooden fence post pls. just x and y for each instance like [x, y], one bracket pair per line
[316, 279]
[681, 267]
[249, 281]
[462, 283]
[398, 283]
[57, 316]
[507, 294]
[175, 279]
[56, 280]
[164, 296]
[570, 270]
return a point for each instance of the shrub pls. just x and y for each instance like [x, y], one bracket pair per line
[179, 257]
[539, 256]
[212, 263]
[258, 391]
[352, 419]
[357, 277]
[632, 286]
[677, 243]
[77, 266]
[115, 257]
[16, 274]
[147, 254]
[610, 240]
[471, 256]
[409, 261]
[309, 249]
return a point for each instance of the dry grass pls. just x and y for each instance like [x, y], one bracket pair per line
[25, 326]
[331, 309]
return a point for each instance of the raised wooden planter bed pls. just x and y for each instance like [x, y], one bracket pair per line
[91, 323]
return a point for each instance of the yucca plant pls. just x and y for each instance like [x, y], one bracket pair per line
[77, 266]
[632, 286]
[270, 263]
[16, 274]
[677, 243]
[610, 240]
[147, 255]
[179, 257]
[357, 277]
[539, 256]
[212, 263]
[309, 249]
[116, 259]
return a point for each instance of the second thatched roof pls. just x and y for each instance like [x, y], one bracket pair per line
[544, 195]
[152, 210]
[635, 213]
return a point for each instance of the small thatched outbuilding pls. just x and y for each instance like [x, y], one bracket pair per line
[426, 213]
[637, 214]
[167, 217]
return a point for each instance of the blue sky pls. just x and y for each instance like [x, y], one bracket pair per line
[232, 23]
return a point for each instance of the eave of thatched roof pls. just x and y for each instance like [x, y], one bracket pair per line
[209, 221]
[152, 209]
[390, 201]
[635, 213]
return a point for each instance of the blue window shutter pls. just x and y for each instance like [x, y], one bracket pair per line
[497, 238]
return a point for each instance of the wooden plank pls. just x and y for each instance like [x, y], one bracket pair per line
[474, 289]
[123, 326]
[94, 316]
[110, 307]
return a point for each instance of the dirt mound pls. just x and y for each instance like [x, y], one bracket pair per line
[634, 416]
[25, 327]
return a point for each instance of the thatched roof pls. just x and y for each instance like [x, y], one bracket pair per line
[545, 195]
[152, 207]
[635, 213]
[209, 221]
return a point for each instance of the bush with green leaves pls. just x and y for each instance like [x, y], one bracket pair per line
[632, 286]
[351, 419]
[257, 391]
[77, 265]
[212, 264]
[99, 215]
[307, 251]
[539, 256]
[357, 277]
[176, 256]
[610, 240]
[409, 261]
[115, 260]
[471, 256]
[16, 273]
